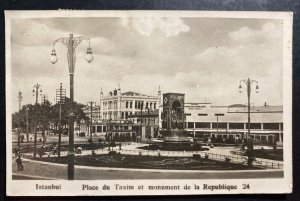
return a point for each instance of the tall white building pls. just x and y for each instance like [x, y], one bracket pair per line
[117, 106]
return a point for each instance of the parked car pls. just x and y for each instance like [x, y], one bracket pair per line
[204, 147]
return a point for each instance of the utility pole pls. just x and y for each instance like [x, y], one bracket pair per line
[60, 99]
[91, 106]
[44, 99]
[20, 98]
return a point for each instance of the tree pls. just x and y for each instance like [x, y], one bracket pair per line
[33, 113]
[46, 109]
[41, 116]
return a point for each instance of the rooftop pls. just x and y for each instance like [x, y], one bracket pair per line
[131, 93]
[236, 114]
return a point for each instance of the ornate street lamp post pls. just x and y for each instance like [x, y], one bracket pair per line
[27, 124]
[141, 128]
[249, 82]
[35, 91]
[44, 98]
[71, 43]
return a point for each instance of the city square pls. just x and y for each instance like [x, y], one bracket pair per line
[107, 144]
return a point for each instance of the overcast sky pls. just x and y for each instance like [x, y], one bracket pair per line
[205, 58]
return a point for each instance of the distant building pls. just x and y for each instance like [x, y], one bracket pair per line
[118, 106]
[231, 122]
[93, 115]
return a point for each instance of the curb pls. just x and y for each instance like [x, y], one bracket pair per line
[35, 177]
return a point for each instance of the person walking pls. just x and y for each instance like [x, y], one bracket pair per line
[19, 163]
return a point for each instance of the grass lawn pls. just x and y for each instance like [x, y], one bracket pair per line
[272, 154]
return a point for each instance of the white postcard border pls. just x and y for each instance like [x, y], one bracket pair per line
[72, 188]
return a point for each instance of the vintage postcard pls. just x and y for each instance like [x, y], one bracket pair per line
[148, 102]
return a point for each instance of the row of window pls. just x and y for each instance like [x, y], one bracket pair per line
[102, 129]
[221, 125]
[129, 104]
[118, 127]
[270, 137]
[110, 115]
[151, 121]
[140, 104]
[124, 115]
[98, 129]
[109, 105]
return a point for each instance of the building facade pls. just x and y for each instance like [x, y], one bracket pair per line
[117, 106]
[231, 122]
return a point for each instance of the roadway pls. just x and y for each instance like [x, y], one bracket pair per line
[45, 170]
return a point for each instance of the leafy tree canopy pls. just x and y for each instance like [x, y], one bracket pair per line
[43, 114]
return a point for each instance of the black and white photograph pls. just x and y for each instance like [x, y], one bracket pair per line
[148, 102]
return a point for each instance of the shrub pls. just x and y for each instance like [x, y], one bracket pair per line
[112, 153]
[227, 160]
[196, 156]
